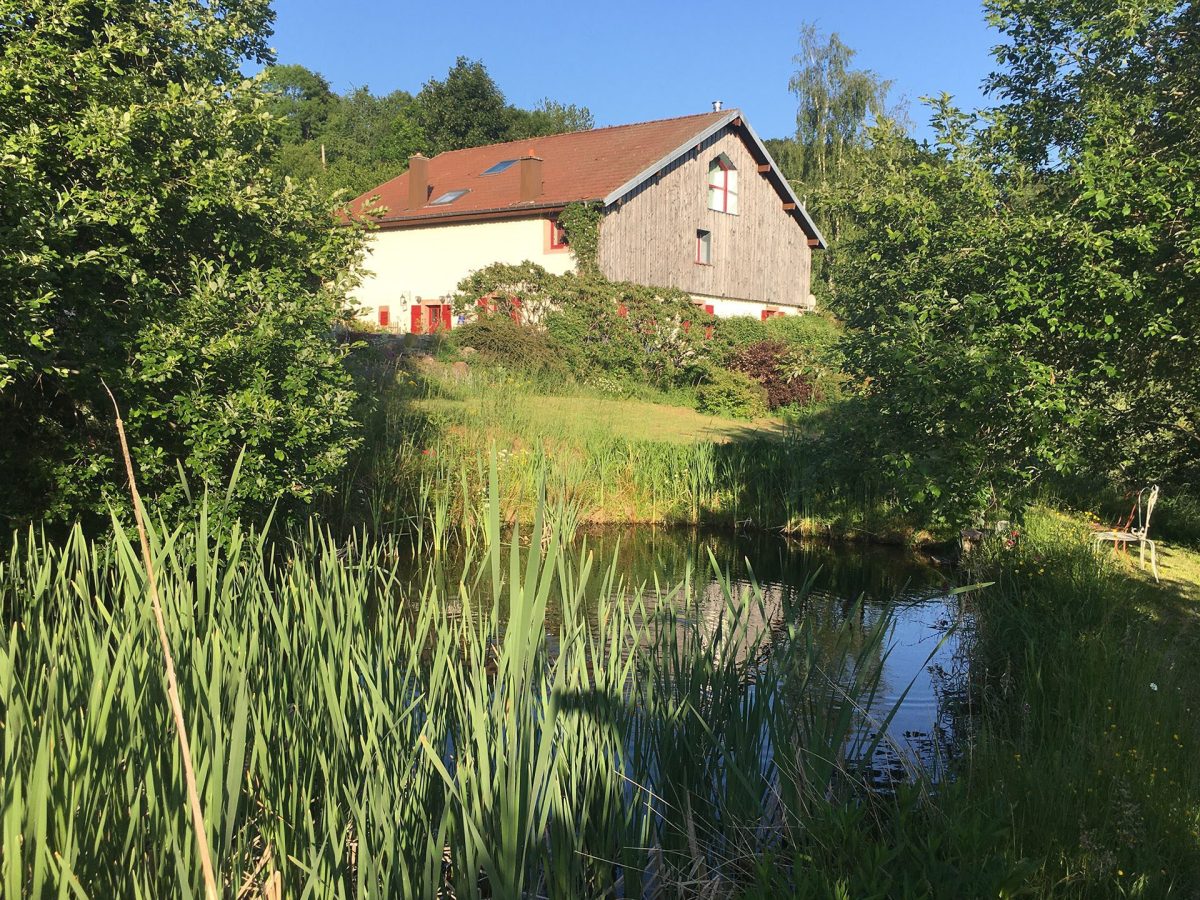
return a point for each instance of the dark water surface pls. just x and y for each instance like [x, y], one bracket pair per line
[926, 663]
[925, 666]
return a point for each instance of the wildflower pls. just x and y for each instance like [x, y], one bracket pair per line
[1153, 686]
[1120, 873]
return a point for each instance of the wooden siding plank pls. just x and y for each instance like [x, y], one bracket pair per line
[760, 254]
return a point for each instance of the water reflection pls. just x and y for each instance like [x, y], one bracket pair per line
[924, 659]
[926, 652]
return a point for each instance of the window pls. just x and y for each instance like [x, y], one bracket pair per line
[722, 185]
[704, 247]
[771, 313]
[448, 197]
[558, 235]
[498, 167]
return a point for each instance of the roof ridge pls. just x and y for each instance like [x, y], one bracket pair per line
[720, 112]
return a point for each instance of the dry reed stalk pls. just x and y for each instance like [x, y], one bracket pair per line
[189, 774]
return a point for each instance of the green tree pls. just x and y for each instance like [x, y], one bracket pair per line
[302, 101]
[466, 109]
[1103, 99]
[1019, 296]
[959, 407]
[549, 117]
[835, 104]
[144, 244]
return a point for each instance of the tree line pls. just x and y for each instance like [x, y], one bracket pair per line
[1019, 293]
[357, 140]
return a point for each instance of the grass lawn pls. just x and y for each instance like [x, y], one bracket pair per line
[637, 420]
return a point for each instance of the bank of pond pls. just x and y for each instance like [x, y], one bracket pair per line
[564, 712]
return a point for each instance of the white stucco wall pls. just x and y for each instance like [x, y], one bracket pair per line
[426, 263]
[724, 308]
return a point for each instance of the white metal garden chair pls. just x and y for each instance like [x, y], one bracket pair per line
[1137, 534]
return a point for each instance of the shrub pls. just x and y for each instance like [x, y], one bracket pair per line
[620, 329]
[499, 340]
[731, 394]
[808, 330]
[737, 331]
[780, 370]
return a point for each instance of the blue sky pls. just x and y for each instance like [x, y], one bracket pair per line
[632, 61]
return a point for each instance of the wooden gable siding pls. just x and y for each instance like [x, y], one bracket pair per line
[760, 254]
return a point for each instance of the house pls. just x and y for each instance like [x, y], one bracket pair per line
[694, 203]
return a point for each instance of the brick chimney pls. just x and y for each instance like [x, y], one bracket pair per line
[531, 177]
[418, 181]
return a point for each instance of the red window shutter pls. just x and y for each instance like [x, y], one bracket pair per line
[384, 317]
[766, 314]
[515, 312]
[447, 317]
[558, 237]
[708, 308]
[418, 320]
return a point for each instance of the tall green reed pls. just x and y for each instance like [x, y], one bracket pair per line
[361, 731]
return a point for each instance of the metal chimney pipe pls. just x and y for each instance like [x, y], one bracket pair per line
[716, 105]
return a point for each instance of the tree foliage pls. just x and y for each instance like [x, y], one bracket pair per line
[145, 245]
[836, 103]
[355, 141]
[1018, 295]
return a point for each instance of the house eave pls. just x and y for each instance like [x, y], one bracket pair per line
[524, 211]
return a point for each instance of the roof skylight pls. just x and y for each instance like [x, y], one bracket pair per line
[447, 198]
[498, 167]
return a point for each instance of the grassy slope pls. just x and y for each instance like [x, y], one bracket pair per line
[647, 458]
[637, 420]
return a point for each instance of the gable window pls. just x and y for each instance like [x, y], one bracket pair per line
[447, 198]
[704, 247]
[558, 235]
[722, 185]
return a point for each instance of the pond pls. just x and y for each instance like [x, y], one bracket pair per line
[924, 670]
[924, 663]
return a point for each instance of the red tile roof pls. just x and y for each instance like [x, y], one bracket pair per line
[582, 165]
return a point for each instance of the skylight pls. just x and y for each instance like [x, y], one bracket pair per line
[498, 167]
[448, 197]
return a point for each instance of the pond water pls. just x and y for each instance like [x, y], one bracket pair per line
[924, 669]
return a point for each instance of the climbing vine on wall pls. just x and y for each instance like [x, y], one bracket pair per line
[581, 222]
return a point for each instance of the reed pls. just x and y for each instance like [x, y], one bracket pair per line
[356, 732]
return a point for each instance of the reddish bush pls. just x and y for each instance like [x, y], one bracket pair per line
[772, 365]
